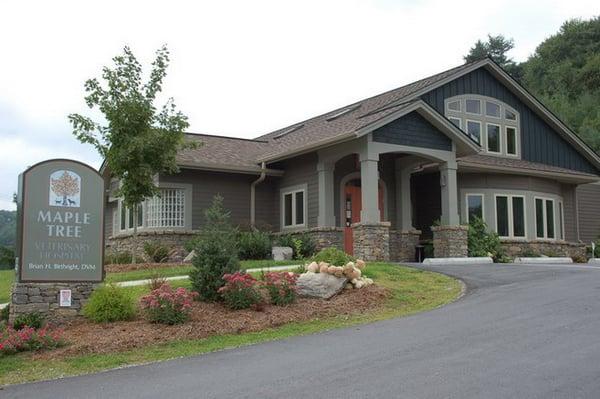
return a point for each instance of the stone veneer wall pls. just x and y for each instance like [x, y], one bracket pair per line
[44, 298]
[515, 248]
[175, 240]
[403, 245]
[450, 241]
[371, 241]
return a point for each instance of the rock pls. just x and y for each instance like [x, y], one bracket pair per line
[360, 264]
[319, 285]
[189, 257]
[282, 253]
[313, 267]
[323, 268]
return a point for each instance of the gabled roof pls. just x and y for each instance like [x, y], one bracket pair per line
[353, 120]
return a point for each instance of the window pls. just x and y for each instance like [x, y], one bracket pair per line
[454, 105]
[561, 228]
[493, 138]
[510, 216]
[127, 217]
[511, 140]
[492, 109]
[474, 206]
[294, 206]
[491, 123]
[456, 122]
[544, 218]
[167, 209]
[473, 106]
[474, 130]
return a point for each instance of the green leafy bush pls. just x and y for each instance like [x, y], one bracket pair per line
[333, 256]
[156, 252]
[109, 303]
[240, 291]
[7, 258]
[254, 245]
[303, 245]
[34, 320]
[483, 243]
[167, 305]
[281, 287]
[216, 252]
[4, 313]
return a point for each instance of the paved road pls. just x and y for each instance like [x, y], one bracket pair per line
[520, 332]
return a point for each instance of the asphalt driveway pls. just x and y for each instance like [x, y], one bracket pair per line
[520, 332]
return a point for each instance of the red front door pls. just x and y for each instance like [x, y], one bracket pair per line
[352, 207]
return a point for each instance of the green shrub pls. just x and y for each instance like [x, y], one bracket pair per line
[7, 258]
[118, 258]
[483, 243]
[156, 252]
[303, 245]
[281, 287]
[216, 252]
[166, 305]
[4, 313]
[254, 245]
[240, 291]
[109, 303]
[34, 320]
[333, 256]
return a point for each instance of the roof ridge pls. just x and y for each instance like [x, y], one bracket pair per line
[226, 137]
[261, 137]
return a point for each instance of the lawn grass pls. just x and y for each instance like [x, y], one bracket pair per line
[412, 291]
[6, 279]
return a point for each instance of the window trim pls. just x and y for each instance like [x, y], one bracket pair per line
[498, 104]
[555, 202]
[487, 143]
[472, 113]
[293, 190]
[511, 227]
[460, 106]
[517, 142]
[450, 118]
[474, 194]
[480, 129]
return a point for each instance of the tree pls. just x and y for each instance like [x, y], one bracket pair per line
[138, 141]
[216, 252]
[496, 47]
[564, 73]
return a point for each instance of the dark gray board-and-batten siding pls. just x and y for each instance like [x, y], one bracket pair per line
[540, 143]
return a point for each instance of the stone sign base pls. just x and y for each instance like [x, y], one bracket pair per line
[371, 241]
[44, 298]
[450, 241]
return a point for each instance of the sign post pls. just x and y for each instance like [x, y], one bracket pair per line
[60, 238]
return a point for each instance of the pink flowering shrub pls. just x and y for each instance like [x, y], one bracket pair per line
[240, 291]
[167, 305]
[29, 339]
[281, 287]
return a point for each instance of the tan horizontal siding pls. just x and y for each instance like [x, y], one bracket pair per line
[588, 196]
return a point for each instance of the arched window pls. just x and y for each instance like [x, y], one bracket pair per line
[490, 122]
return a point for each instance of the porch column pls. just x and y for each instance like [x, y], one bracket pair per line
[369, 180]
[403, 196]
[326, 216]
[449, 194]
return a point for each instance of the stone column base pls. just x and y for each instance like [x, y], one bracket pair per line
[402, 245]
[371, 241]
[324, 237]
[450, 241]
[44, 298]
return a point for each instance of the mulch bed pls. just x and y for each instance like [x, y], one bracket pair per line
[209, 319]
[128, 267]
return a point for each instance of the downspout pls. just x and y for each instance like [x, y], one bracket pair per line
[255, 183]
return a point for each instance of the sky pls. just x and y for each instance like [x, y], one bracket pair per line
[238, 68]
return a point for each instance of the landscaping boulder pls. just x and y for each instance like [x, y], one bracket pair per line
[282, 253]
[319, 285]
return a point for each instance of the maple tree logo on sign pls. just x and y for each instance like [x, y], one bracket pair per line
[65, 189]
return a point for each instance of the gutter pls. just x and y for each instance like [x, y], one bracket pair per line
[263, 175]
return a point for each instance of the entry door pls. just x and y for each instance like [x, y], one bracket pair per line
[352, 207]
